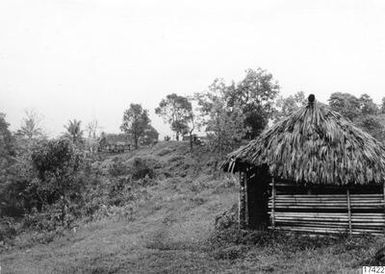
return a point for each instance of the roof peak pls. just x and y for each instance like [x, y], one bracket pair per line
[311, 99]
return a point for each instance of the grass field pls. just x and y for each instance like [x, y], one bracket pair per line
[171, 230]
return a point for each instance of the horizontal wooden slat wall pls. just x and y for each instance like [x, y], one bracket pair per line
[324, 213]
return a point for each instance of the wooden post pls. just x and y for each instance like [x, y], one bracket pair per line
[273, 203]
[349, 211]
[246, 199]
[242, 223]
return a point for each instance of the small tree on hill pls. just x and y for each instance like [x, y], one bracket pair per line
[135, 122]
[74, 132]
[177, 111]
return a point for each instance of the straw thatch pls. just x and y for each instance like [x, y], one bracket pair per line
[315, 145]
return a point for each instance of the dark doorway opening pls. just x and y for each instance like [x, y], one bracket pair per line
[257, 198]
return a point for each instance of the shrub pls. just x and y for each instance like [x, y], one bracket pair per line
[227, 219]
[57, 164]
[51, 217]
[7, 229]
[118, 167]
[164, 152]
[142, 168]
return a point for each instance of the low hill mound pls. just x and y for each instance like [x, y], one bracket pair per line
[153, 204]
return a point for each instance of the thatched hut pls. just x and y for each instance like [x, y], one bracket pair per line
[314, 171]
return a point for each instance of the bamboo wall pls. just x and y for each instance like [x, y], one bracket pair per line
[327, 209]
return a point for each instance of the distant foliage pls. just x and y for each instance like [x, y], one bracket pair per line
[367, 106]
[30, 128]
[255, 94]
[373, 124]
[361, 111]
[346, 104]
[230, 113]
[7, 145]
[74, 132]
[150, 136]
[7, 159]
[225, 125]
[177, 111]
[289, 105]
[225, 128]
[135, 122]
[383, 105]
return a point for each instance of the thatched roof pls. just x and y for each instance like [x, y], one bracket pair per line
[315, 145]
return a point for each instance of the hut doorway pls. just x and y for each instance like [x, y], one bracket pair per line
[257, 193]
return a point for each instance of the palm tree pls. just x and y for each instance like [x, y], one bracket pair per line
[74, 132]
[30, 128]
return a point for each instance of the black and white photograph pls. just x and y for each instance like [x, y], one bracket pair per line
[181, 136]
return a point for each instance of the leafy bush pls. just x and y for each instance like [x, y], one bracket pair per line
[227, 219]
[58, 165]
[7, 229]
[164, 152]
[118, 167]
[142, 168]
[51, 217]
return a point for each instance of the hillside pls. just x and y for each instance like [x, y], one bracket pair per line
[167, 226]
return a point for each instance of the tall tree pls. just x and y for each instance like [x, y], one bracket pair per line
[135, 122]
[255, 94]
[74, 131]
[367, 106]
[7, 152]
[177, 111]
[290, 104]
[346, 104]
[373, 124]
[225, 125]
[6, 139]
[9, 187]
[362, 111]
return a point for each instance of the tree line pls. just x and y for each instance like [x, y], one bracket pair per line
[232, 113]
[228, 112]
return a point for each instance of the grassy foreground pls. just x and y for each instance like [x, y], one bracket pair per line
[171, 230]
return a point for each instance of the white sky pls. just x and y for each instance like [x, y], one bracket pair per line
[89, 59]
